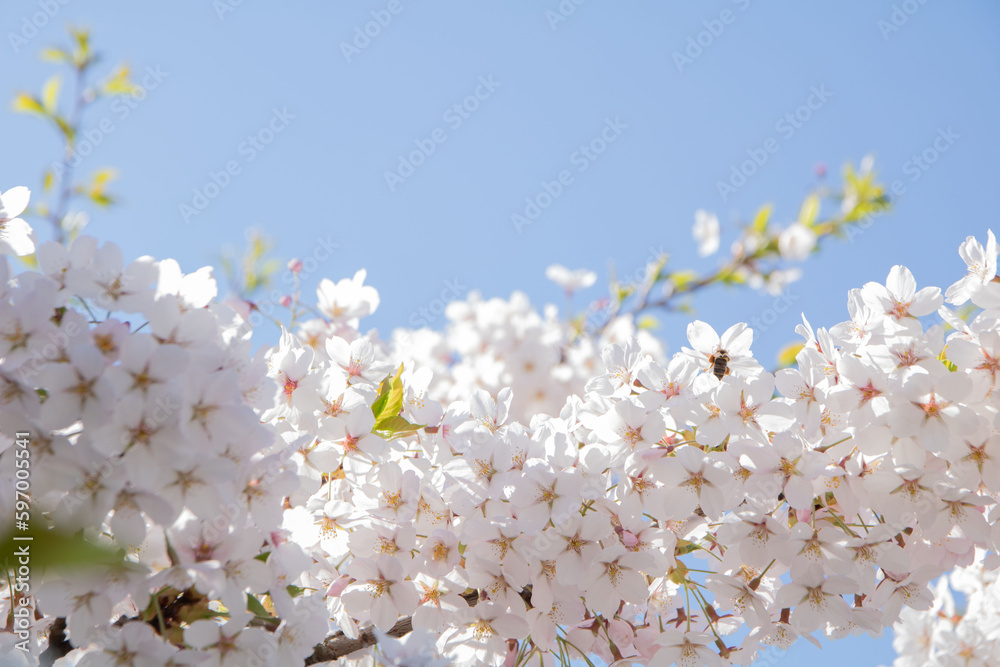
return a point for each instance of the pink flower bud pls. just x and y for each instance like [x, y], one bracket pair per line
[285, 301]
[629, 539]
[295, 265]
[337, 587]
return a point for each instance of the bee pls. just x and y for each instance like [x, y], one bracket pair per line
[720, 363]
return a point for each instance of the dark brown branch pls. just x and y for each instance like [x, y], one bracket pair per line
[338, 645]
[59, 645]
[335, 646]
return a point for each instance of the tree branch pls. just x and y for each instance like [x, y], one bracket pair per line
[338, 645]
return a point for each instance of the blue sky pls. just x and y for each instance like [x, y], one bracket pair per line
[329, 121]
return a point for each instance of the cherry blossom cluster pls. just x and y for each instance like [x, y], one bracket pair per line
[963, 633]
[582, 530]
[515, 489]
[506, 343]
[145, 435]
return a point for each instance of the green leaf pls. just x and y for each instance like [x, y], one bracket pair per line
[658, 265]
[117, 82]
[383, 397]
[54, 55]
[25, 103]
[732, 278]
[59, 550]
[81, 54]
[678, 574]
[50, 93]
[685, 547]
[395, 427]
[681, 279]
[389, 402]
[648, 322]
[759, 224]
[294, 591]
[787, 354]
[810, 210]
[66, 129]
[947, 363]
[103, 175]
[256, 608]
[623, 292]
[102, 199]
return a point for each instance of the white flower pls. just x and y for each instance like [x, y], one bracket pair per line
[932, 410]
[816, 599]
[622, 364]
[734, 343]
[573, 544]
[899, 298]
[357, 359]
[570, 281]
[688, 649]
[615, 576]
[115, 286]
[16, 236]
[234, 643]
[693, 478]
[415, 649]
[796, 242]
[982, 268]
[76, 390]
[195, 290]
[348, 299]
[381, 590]
[483, 634]
[706, 232]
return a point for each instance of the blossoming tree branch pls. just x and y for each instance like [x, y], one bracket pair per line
[517, 489]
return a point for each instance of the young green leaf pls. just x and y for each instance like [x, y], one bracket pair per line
[809, 211]
[50, 93]
[390, 397]
[395, 427]
[25, 103]
[256, 608]
[761, 219]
